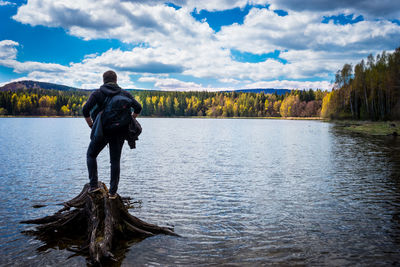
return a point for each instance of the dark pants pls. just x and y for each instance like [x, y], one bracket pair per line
[115, 143]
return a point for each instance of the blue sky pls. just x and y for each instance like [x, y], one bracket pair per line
[192, 45]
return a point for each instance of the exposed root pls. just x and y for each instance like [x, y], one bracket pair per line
[96, 223]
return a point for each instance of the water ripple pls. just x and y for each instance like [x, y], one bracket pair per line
[240, 192]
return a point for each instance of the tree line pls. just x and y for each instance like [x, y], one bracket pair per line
[42, 102]
[369, 91]
[45, 102]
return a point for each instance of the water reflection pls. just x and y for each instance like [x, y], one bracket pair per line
[241, 192]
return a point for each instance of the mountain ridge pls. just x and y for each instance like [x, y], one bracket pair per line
[31, 84]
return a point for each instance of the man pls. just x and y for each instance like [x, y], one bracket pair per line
[115, 140]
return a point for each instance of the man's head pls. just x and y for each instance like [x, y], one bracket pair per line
[109, 77]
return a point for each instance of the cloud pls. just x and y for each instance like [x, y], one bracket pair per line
[66, 14]
[229, 81]
[373, 9]
[285, 84]
[216, 5]
[78, 77]
[300, 31]
[6, 3]
[311, 48]
[368, 8]
[210, 5]
[153, 67]
[86, 74]
[8, 49]
[128, 21]
[170, 84]
[138, 60]
[168, 40]
[8, 54]
[28, 66]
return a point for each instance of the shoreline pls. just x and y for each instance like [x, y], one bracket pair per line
[175, 117]
[375, 128]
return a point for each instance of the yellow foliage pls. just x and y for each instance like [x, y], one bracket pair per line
[47, 101]
[138, 99]
[287, 104]
[176, 105]
[154, 99]
[65, 110]
[24, 103]
[161, 100]
[148, 101]
[325, 113]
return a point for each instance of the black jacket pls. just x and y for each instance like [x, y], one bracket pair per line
[135, 129]
[98, 97]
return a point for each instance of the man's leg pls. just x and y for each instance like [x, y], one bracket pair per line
[116, 143]
[93, 151]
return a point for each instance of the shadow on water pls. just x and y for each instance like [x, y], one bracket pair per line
[75, 242]
[386, 150]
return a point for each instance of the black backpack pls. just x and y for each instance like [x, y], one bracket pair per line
[116, 113]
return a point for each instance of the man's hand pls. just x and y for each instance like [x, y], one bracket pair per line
[134, 115]
[89, 122]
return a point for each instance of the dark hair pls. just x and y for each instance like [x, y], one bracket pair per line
[109, 76]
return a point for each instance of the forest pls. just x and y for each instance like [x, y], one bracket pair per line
[369, 91]
[45, 102]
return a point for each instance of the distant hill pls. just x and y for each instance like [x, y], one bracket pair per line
[21, 85]
[265, 90]
[14, 86]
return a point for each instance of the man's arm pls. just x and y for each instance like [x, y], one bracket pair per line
[137, 108]
[87, 108]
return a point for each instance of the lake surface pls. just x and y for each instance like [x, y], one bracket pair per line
[240, 192]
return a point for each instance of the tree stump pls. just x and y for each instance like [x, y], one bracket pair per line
[96, 223]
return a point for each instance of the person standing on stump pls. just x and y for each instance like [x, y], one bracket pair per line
[113, 136]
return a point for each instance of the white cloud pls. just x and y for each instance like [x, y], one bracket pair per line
[170, 84]
[6, 3]
[8, 54]
[174, 42]
[264, 31]
[80, 79]
[285, 84]
[211, 5]
[229, 81]
[368, 8]
[8, 49]
[86, 74]
[28, 66]
[131, 21]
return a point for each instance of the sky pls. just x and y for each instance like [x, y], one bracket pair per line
[188, 45]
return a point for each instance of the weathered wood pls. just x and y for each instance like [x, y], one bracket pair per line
[97, 222]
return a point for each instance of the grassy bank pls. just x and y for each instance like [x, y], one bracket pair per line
[371, 127]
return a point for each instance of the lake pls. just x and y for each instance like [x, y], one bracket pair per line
[241, 192]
